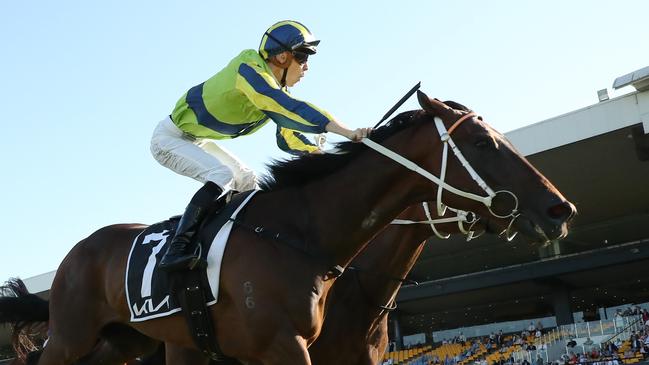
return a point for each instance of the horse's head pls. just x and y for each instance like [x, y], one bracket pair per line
[515, 191]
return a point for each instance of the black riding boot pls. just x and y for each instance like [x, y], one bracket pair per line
[181, 253]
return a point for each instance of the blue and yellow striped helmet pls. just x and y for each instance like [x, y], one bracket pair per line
[287, 35]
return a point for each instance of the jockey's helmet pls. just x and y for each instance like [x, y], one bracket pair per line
[287, 35]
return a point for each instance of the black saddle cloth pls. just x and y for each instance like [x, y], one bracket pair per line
[148, 290]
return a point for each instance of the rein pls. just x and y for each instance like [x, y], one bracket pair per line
[461, 216]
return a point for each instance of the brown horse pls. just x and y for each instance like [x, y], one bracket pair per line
[358, 307]
[359, 301]
[289, 288]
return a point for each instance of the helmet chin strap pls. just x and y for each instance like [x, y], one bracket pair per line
[283, 81]
[284, 66]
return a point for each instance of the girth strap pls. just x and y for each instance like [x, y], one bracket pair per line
[189, 289]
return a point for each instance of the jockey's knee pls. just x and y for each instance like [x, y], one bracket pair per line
[222, 177]
[246, 180]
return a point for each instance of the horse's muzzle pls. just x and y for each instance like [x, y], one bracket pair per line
[554, 225]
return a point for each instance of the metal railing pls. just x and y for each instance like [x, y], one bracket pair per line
[554, 342]
[614, 327]
[634, 326]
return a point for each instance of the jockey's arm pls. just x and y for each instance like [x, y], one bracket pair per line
[264, 92]
[294, 142]
[355, 135]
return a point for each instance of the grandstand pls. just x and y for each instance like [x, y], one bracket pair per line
[552, 347]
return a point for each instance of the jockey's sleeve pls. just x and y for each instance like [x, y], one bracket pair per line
[293, 142]
[263, 91]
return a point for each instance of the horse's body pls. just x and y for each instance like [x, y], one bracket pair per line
[272, 297]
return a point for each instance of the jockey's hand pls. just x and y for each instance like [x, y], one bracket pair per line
[359, 133]
[320, 140]
[355, 135]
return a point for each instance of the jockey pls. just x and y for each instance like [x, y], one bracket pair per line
[238, 100]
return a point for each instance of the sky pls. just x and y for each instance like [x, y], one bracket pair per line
[84, 83]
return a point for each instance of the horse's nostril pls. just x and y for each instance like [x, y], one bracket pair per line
[562, 211]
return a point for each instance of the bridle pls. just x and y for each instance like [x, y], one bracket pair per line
[445, 138]
[461, 216]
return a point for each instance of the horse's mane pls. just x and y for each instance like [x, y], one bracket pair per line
[303, 169]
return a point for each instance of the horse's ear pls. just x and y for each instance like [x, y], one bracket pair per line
[433, 106]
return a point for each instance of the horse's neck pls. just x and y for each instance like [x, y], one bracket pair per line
[355, 204]
[391, 255]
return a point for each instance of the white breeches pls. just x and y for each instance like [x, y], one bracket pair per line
[200, 159]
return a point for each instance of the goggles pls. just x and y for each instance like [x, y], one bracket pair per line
[300, 57]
